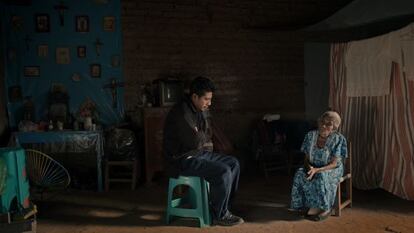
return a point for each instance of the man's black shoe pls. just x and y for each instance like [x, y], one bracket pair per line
[228, 219]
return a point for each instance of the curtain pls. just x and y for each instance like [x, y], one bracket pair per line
[381, 129]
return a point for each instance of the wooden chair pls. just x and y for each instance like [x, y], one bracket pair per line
[344, 190]
[128, 175]
[121, 157]
[270, 150]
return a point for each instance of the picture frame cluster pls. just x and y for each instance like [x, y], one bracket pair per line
[44, 22]
[82, 23]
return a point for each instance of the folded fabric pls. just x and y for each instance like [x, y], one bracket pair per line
[407, 48]
[406, 39]
[368, 67]
[271, 117]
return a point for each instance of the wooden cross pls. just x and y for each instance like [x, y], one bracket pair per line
[61, 10]
[27, 40]
[98, 45]
[114, 85]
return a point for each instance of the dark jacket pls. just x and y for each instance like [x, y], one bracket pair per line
[187, 132]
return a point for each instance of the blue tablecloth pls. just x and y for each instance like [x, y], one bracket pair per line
[70, 141]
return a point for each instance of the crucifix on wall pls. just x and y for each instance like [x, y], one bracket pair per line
[27, 40]
[61, 10]
[98, 45]
[113, 86]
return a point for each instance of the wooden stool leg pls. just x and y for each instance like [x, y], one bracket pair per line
[106, 176]
[350, 191]
[134, 174]
[338, 202]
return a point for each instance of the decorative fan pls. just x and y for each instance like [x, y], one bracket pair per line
[45, 172]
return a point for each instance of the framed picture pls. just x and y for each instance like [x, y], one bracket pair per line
[101, 2]
[11, 54]
[115, 61]
[95, 70]
[109, 23]
[15, 94]
[16, 22]
[62, 56]
[42, 23]
[82, 23]
[31, 71]
[42, 50]
[81, 51]
[76, 77]
[19, 2]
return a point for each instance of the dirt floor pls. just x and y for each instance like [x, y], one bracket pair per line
[263, 205]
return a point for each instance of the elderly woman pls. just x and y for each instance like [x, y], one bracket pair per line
[314, 186]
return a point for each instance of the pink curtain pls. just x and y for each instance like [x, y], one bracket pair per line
[380, 128]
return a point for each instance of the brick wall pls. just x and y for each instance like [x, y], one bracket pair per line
[256, 70]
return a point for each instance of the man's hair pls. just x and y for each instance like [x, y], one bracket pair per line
[201, 85]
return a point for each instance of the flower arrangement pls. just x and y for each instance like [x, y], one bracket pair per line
[87, 109]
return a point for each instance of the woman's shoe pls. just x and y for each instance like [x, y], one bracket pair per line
[299, 212]
[321, 216]
[304, 212]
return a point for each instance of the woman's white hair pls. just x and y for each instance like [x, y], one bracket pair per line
[331, 116]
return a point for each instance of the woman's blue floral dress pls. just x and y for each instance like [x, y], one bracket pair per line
[321, 190]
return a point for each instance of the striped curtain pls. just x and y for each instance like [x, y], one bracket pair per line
[381, 129]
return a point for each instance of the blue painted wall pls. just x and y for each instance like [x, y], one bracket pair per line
[19, 52]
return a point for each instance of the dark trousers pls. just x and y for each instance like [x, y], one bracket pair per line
[221, 171]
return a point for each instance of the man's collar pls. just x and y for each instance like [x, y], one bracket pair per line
[191, 105]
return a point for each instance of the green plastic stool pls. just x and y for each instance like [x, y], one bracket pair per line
[197, 197]
[16, 183]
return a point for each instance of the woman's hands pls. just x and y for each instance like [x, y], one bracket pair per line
[311, 172]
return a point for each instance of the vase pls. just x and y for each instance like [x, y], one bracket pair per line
[87, 123]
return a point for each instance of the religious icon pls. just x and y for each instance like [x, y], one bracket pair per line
[27, 41]
[95, 70]
[76, 77]
[61, 10]
[81, 51]
[101, 2]
[16, 22]
[82, 23]
[62, 56]
[98, 45]
[113, 86]
[42, 23]
[15, 94]
[109, 23]
[115, 61]
[19, 2]
[42, 50]
[31, 71]
[11, 54]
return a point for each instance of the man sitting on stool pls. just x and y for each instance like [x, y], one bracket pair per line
[189, 149]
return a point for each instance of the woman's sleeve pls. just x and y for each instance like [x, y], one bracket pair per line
[340, 148]
[305, 148]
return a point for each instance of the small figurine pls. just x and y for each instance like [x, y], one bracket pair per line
[50, 125]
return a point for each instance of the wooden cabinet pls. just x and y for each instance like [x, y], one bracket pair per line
[153, 126]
